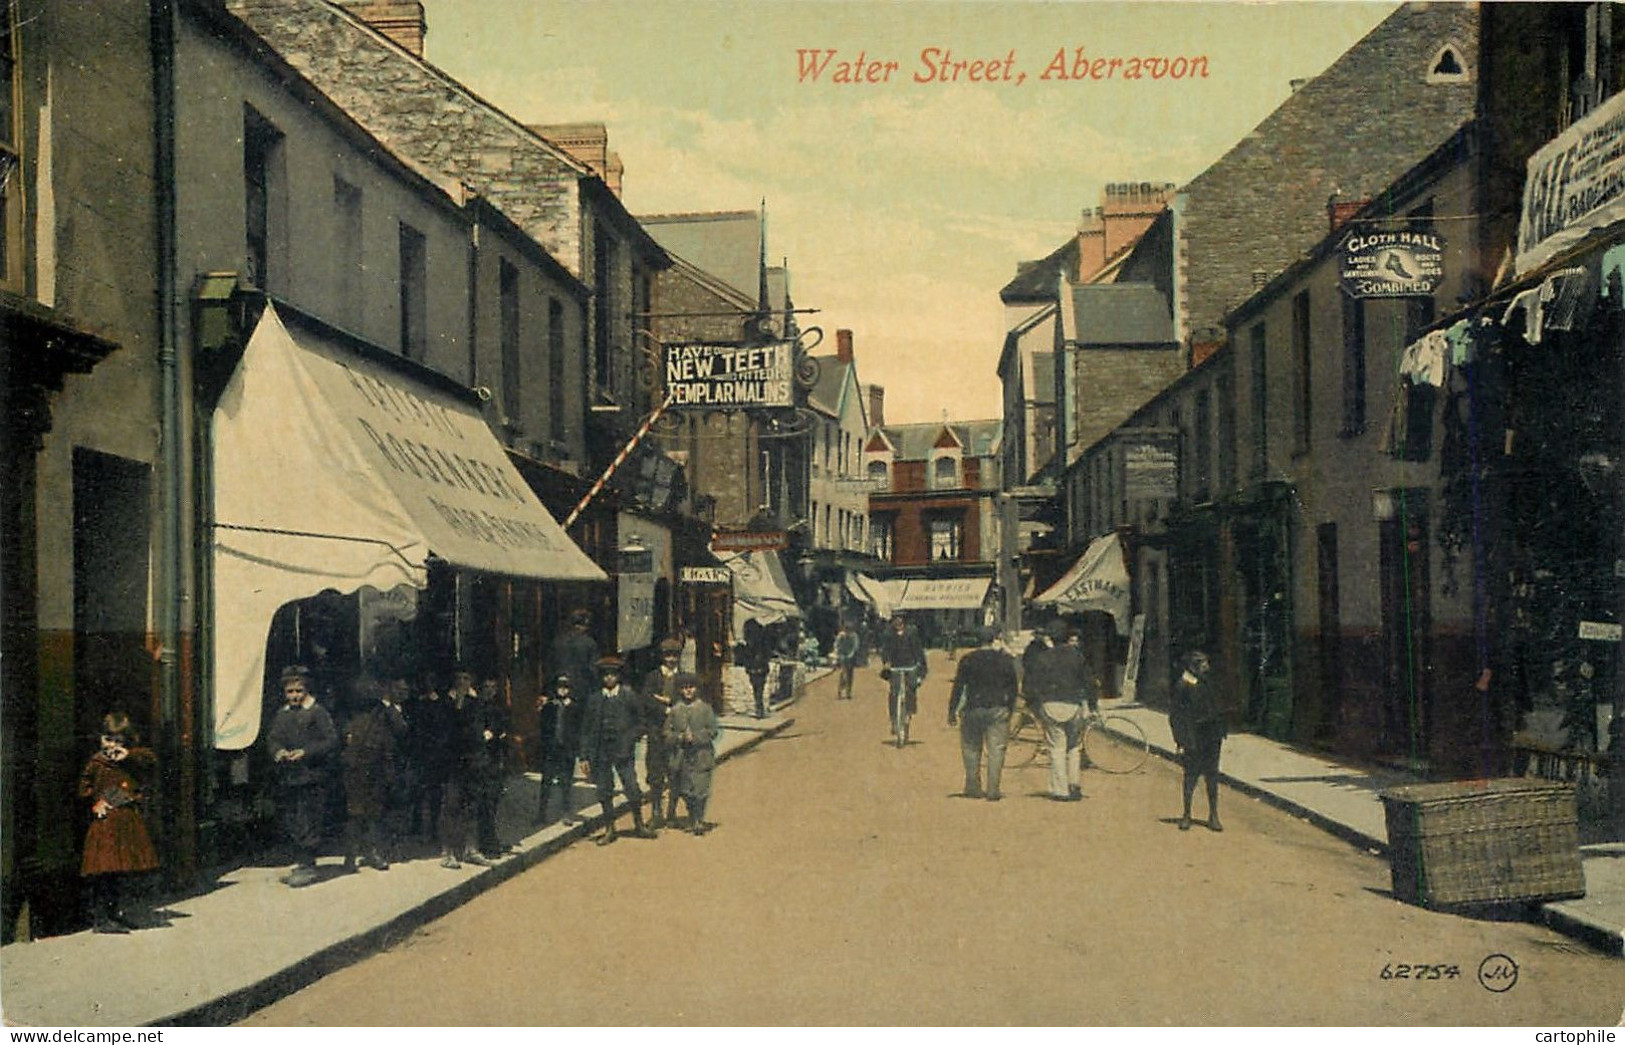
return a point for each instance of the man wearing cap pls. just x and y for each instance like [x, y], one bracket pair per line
[691, 732]
[657, 697]
[1059, 682]
[559, 725]
[575, 654]
[609, 736]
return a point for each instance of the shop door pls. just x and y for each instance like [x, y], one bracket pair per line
[112, 527]
[1264, 548]
[1406, 626]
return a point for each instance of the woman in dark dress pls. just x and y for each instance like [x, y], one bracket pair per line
[117, 846]
[1199, 730]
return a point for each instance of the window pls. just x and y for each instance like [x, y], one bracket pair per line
[945, 473]
[877, 475]
[945, 539]
[555, 370]
[512, 377]
[1302, 387]
[1201, 440]
[11, 195]
[1448, 66]
[413, 290]
[1586, 63]
[1261, 401]
[1227, 430]
[880, 537]
[262, 152]
[602, 312]
[1353, 366]
[347, 249]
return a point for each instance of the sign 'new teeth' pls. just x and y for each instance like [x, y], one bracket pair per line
[720, 376]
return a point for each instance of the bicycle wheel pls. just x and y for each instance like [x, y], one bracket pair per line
[1115, 744]
[1026, 740]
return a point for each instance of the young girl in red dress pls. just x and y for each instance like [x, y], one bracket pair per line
[115, 781]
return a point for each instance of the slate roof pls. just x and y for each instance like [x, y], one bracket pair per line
[1037, 280]
[826, 394]
[914, 442]
[1120, 314]
[727, 244]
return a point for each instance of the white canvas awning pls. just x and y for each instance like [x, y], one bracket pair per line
[761, 589]
[333, 471]
[946, 593]
[877, 594]
[1097, 581]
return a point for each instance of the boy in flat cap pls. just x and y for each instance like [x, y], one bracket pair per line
[609, 737]
[657, 697]
[559, 723]
[691, 732]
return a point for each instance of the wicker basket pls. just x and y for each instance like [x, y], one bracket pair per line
[1483, 841]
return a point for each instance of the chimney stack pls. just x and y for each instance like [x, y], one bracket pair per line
[843, 346]
[877, 405]
[400, 20]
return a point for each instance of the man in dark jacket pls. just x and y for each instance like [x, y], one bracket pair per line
[1060, 681]
[1199, 730]
[302, 741]
[490, 765]
[575, 653]
[984, 695]
[657, 696]
[609, 737]
[904, 655]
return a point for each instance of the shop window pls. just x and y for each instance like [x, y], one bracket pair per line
[946, 539]
[414, 281]
[11, 196]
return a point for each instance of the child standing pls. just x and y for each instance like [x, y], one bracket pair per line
[116, 843]
[691, 733]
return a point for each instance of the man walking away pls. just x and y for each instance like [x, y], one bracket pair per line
[984, 695]
[846, 658]
[1199, 731]
[1059, 682]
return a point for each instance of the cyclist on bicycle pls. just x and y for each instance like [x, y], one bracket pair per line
[904, 657]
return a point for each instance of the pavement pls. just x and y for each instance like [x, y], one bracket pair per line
[248, 939]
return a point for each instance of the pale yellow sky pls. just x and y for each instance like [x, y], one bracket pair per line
[902, 206]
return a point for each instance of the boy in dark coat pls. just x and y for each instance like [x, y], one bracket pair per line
[609, 737]
[373, 740]
[116, 842]
[559, 726]
[1199, 731]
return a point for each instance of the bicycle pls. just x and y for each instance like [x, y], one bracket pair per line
[903, 687]
[1111, 742]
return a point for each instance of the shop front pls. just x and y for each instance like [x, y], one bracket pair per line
[366, 522]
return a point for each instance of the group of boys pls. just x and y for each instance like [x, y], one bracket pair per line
[435, 758]
[677, 728]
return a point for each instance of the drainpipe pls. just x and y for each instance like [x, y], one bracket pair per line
[175, 733]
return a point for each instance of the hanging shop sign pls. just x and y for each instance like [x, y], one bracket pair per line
[1574, 184]
[1391, 264]
[1151, 467]
[706, 575]
[750, 541]
[723, 376]
[1601, 631]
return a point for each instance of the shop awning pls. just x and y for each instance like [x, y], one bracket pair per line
[946, 593]
[336, 471]
[1097, 581]
[761, 589]
[876, 593]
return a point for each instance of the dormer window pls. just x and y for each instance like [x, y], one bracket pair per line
[945, 473]
[1448, 66]
[877, 474]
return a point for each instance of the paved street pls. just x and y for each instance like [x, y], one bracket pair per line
[846, 884]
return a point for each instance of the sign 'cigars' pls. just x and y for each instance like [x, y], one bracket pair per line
[723, 376]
